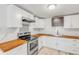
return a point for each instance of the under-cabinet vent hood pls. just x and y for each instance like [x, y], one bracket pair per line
[25, 19]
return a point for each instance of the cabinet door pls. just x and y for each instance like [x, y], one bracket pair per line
[40, 43]
[3, 13]
[27, 14]
[63, 44]
[68, 45]
[44, 42]
[71, 21]
[50, 42]
[67, 22]
[75, 21]
[20, 50]
[14, 17]
[39, 23]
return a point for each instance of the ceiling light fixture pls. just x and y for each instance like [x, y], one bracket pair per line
[51, 6]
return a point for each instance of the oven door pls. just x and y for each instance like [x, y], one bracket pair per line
[32, 47]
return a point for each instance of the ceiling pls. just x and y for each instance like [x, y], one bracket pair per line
[42, 11]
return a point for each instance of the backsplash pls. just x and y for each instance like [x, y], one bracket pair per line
[71, 31]
[64, 31]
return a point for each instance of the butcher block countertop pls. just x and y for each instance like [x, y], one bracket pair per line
[63, 36]
[6, 46]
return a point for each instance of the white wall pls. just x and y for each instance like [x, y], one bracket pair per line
[7, 34]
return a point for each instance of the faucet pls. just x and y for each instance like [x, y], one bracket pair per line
[57, 32]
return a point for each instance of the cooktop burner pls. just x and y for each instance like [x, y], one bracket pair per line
[24, 36]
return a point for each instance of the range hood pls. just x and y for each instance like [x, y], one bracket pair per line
[25, 19]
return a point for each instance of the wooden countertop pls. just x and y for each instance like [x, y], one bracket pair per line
[6, 46]
[63, 36]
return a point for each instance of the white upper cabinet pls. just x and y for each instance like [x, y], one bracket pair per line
[75, 21]
[14, 16]
[39, 23]
[11, 16]
[67, 22]
[3, 15]
[27, 15]
[71, 21]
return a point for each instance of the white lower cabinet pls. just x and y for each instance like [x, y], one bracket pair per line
[47, 42]
[20, 50]
[68, 46]
[51, 43]
[41, 42]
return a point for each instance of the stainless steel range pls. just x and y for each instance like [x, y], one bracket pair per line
[32, 45]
